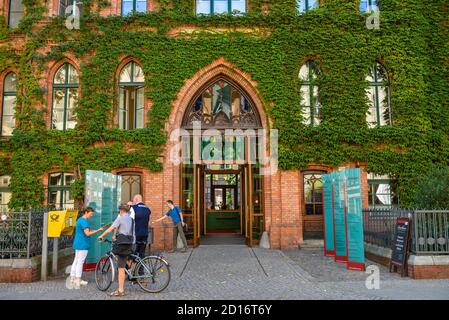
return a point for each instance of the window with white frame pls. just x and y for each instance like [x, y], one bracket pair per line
[59, 190]
[382, 192]
[378, 94]
[308, 76]
[5, 193]
[131, 111]
[65, 98]
[130, 6]
[70, 8]
[220, 6]
[8, 107]
[367, 6]
[15, 13]
[307, 5]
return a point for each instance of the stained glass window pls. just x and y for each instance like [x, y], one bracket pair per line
[222, 105]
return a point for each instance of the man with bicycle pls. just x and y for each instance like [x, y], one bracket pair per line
[123, 238]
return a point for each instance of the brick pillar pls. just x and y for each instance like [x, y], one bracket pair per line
[291, 220]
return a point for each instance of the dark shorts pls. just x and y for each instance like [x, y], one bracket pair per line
[121, 261]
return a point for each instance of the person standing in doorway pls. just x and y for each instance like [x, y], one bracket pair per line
[141, 215]
[81, 245]
[175, 214]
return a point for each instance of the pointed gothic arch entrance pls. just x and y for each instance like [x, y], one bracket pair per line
[221, 187]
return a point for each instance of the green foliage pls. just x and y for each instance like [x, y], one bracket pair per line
[433, 189]
[412, 43]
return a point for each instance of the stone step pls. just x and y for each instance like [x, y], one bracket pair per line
[312, 244]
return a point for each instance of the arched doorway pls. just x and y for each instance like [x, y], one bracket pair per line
[221, 186]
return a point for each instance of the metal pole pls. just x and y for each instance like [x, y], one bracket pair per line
[29, 234]
[55, 256]
[44, 248]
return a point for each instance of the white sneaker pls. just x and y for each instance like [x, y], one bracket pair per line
[69, 283]
[83, 283]
[76, 284]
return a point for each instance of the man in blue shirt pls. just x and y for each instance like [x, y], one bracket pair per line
[175, 214]
[141, 215]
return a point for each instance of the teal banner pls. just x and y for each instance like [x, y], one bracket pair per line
[329, 236]
[103, 194]
[354, 216]
[338, 179]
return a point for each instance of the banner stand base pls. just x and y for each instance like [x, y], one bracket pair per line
[341, 259]
[89, 267]
[355, 266]
[329, 253]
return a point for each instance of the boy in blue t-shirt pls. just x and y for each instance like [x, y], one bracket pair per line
[81, 245]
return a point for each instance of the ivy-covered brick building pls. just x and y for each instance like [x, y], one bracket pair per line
[346, 83]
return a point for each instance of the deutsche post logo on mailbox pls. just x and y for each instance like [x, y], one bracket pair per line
[61, 223]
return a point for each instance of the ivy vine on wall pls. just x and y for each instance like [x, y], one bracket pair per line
[412, 43]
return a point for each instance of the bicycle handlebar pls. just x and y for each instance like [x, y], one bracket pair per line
[106, 240]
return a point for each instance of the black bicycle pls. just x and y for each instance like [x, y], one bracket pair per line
[152, 273]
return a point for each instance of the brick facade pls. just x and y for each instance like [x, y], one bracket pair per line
[284, 206]
[283, 192]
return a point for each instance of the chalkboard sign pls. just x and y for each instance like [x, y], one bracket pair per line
[401, 244]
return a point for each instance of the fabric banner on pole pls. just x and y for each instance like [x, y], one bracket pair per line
[356, 250]
[339, 217]
[329, 237]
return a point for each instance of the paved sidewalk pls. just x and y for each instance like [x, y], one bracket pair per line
[237, 272]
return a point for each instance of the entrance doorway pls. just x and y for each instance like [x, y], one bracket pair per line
[223, 204]
[221, 187]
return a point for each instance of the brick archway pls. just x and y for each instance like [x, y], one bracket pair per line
[219, 67]
[171, 175]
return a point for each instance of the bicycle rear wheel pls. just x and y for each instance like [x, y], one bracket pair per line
[104, 273]
[152, 274]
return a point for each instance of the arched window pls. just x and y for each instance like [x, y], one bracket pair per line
[65, 97]
[222, 105]
[128, 6]
[306, 5]
[131, 112]
[378, 93]
[308, 76]
[131, 185]
[368, 6]
[15, 13]
[9, 100]
[313, 193]
[220, 6]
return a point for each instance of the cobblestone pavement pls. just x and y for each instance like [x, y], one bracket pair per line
[240, 273]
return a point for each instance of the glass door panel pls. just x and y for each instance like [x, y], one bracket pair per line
[258, 222]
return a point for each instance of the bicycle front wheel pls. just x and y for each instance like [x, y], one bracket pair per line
[152, 274]
[104, 273]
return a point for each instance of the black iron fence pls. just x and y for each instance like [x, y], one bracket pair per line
[21, 235]
[430, 229]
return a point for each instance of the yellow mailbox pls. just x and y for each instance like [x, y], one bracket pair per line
[61, 223]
